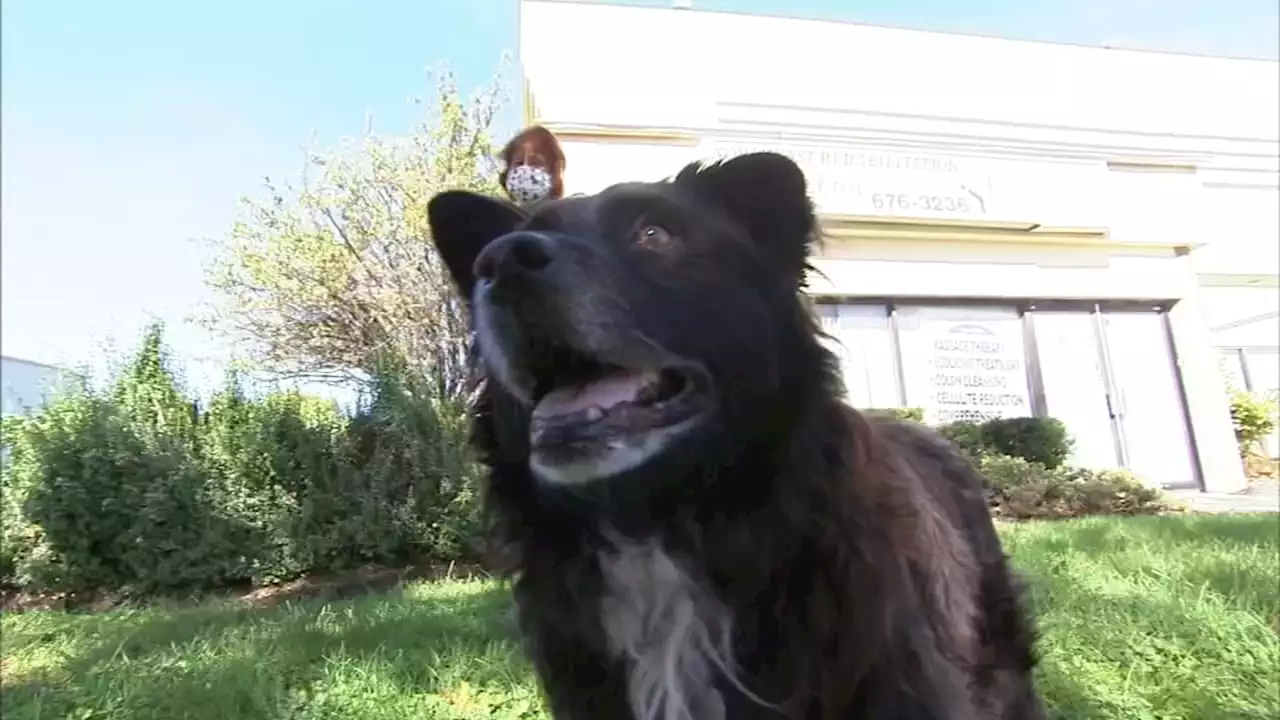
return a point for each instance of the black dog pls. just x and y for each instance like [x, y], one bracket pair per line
[700, 529]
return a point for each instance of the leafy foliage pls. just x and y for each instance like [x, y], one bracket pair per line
[138, 487]
[1022, 489]
[912, 414]
[1035, 439]
[967, 436]
[1023, 462]
[1038, 439]
[1253, 417]
[324, 279]
[111, 485]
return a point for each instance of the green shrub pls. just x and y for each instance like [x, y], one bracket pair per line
[1021, 489]
[138, 488]
[1044, 441]
[1114, 491]
[1253, 418]
[276, 467]
[108, 489]
[1035, 439]
[1004, 474]
[913, 414]
[967, 437]
[18, 537]
[415, 478]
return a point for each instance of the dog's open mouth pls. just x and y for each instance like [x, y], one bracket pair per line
[580, 402]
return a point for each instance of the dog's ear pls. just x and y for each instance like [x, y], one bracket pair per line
[766, 193]
[462, 224]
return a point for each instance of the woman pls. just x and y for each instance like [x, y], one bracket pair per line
[533, 167]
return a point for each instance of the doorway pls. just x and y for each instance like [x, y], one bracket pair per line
[1148, 395]
[1074, 380]
[1111, 376]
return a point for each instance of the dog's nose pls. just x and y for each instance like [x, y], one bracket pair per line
[523, 253]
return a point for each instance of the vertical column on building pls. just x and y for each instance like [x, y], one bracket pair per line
[1208, 408]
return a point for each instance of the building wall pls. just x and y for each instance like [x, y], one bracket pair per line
[954, 166]
[26, 385]
[1050, 127]
[838, 68]
[1242, 316]
[1244, 322]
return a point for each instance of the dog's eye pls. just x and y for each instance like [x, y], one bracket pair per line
[653, 237]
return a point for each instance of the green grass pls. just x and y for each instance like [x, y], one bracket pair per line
[1141, 618]
[1157, 617]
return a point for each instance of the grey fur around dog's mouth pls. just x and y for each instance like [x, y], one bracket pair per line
[576, 414]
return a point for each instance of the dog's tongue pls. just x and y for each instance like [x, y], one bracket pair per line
[603, 394]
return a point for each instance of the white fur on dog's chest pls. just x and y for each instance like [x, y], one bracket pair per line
[672, 633]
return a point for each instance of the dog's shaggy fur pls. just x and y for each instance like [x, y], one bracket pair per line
[757, 549]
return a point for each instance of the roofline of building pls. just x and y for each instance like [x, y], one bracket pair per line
[36, 363]
[783, 16]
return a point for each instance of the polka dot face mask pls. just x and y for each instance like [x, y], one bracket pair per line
[528, 184]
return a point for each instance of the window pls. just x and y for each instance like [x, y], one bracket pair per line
[1146, 398]
[964, 363]
[1107, 372]
[1075, 385]
[861, 339]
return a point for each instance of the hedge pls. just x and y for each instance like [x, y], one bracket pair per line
[139, 488]
[1023, 461]
[1034, 439]
[1253, 417]
[912, 414]
[1021, 489]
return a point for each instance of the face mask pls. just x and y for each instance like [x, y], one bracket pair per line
[527, 184]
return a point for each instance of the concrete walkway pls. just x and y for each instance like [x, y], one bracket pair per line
[1261, 497]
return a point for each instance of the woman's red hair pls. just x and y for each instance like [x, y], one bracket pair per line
[535, 145]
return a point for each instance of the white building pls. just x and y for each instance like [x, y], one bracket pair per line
[26, 385]
[1014, 227]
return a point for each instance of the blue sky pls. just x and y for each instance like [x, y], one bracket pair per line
[131, 127]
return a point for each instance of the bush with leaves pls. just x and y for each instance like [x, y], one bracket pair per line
[1040, 440]
[1253, 417]
[325, 278]
[274, 463]
[138, 488]
[1021, 489]
[110, 489]
[967, 437]
[18, 537]
[911, 414]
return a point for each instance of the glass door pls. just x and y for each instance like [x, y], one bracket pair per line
[1074, 381]
[1147, 399]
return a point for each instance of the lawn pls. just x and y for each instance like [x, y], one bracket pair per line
[1142, 618]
